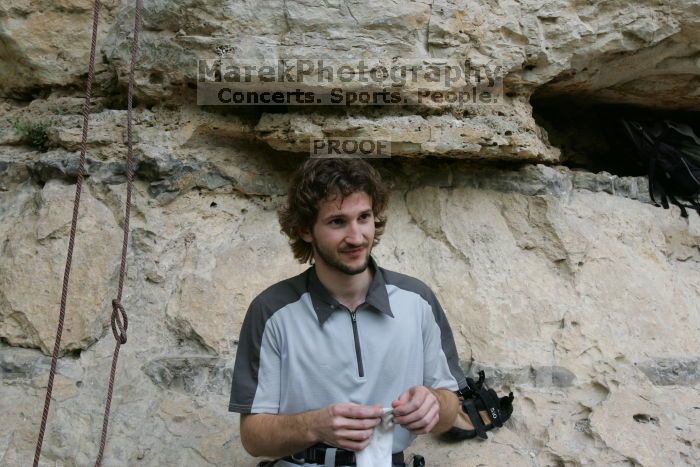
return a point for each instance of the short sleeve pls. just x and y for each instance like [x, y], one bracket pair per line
[255, 387]
[440, 360]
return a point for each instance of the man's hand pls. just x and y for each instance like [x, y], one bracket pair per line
[417, 410]
[347, 426]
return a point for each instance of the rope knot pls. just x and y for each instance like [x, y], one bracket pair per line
[120, 321]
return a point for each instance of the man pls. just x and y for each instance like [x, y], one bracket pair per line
[321, 354]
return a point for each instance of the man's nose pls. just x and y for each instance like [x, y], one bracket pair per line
[354, 233]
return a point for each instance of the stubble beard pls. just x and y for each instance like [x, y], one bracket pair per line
[334, 262]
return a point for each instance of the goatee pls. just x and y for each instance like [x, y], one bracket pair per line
[338, 265]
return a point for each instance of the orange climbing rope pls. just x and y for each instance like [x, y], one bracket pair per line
[119, 320]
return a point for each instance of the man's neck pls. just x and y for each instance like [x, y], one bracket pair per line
[350, 290]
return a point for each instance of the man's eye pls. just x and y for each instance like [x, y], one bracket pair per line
[336, 221]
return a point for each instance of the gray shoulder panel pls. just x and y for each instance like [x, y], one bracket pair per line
[419, 287]
[283, 293]
[261, 309]
[406, 282]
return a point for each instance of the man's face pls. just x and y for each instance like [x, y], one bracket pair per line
[343, 234]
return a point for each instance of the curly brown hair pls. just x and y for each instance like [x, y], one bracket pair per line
[317, 180]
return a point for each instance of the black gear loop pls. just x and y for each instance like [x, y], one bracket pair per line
[119, 320]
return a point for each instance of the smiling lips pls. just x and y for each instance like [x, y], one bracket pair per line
[354, 252]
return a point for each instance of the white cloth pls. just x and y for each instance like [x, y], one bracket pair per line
[378, 452]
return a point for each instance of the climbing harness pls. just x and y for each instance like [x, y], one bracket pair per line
[119, 320]
[476, 397]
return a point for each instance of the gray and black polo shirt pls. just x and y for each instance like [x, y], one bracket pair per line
[300, 349]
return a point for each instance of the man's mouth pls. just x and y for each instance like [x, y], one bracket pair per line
[354, 251]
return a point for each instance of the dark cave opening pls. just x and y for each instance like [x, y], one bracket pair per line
[591, 136]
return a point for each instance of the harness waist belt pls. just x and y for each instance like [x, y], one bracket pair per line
[316, 454]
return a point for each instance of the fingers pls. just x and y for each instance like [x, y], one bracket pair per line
[427, 423]
[353, 440]
[341, 423]
[350, 426]
[411, 400]
[352, 445]
[420, 411]
[355, 435]
[356, 411]
[402, 400]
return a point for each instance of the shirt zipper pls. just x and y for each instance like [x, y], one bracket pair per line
[358, 351]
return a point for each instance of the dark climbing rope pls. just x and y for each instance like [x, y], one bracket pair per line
[120, 323]
[119, 319]
[71, 239]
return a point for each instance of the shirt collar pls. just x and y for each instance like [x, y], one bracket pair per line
[324, 303]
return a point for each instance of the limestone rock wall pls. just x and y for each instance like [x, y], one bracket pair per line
[568, 287]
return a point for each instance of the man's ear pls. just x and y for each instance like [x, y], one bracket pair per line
[305, 234]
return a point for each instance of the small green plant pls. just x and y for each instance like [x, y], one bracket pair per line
[33, 133]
